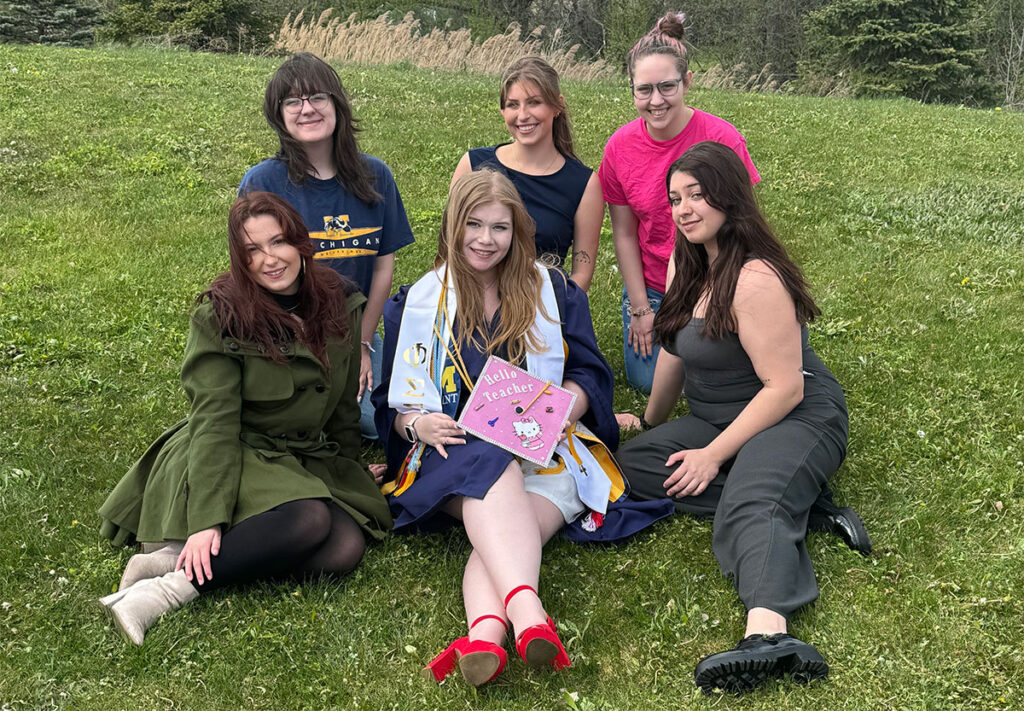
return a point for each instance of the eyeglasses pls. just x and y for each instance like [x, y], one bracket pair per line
[666, 88]
[293, 104]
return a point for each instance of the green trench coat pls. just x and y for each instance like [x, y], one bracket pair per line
[259, 434]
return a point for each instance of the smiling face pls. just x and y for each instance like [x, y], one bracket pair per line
[273, 263]
[487, 238]
[528, 118]
[665, 116]
[310, 126]
[696, 219]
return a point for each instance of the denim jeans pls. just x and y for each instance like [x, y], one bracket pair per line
[366, 425]
[639, 370]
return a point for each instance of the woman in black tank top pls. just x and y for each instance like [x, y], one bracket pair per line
[767, 424]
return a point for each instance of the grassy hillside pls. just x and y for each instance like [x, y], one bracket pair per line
[116, 171]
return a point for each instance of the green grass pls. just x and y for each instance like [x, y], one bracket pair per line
[116, 171]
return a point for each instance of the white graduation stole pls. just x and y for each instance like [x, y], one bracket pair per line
[415, 388]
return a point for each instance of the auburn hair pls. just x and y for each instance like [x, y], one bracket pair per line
[519, 281]
[303, 75]
[248, 312]
[536, 71]
[744, 235]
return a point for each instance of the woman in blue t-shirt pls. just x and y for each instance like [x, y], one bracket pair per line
[348, 200]
[562, 195]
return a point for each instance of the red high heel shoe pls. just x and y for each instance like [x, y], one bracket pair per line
[479, 661]
[539, 645]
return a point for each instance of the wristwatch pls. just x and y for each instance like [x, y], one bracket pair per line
[410, 429]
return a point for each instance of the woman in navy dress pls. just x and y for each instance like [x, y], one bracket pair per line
[561, 194]
[487, 295]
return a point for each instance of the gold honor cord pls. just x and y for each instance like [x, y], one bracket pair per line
[456, 357]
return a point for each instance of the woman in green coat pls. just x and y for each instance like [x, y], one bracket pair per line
[264, 477]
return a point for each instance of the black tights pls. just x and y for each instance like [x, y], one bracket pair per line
[304, 537]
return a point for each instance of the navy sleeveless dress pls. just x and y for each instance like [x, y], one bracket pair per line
[551, 200]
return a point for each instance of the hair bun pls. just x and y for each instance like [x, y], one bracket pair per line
[673, 24]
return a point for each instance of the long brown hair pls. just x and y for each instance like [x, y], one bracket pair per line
[307, 74]
[666, 37]
[519, 282]
[538, 72]
[249, 313]
[744, 235]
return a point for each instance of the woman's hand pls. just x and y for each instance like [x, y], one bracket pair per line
[564, 434]
[195, 556]
[377, 471]
[579, 406]
[365, 372]
[641, 329]
[627, 421]
[439, 431]
[693, 475]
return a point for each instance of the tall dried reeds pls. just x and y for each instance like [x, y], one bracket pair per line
[739, 78]
[379, 41]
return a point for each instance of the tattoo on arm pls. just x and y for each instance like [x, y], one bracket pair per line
[580, 256]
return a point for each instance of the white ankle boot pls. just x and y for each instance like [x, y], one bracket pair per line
[136, 608]
[150, 565]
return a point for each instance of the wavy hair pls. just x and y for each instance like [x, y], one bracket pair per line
[248, 312]
[542, 75]
[666, 37]
[306, 74]
[519, 282]
[744, 235]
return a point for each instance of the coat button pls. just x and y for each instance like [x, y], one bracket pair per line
[301, 388]
[302, 434]
[233, 346]
[320, 388]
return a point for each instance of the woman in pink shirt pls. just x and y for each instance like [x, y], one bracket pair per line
[632, 174]
[636, 161]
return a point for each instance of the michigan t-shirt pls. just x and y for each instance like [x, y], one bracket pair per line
[347, 233]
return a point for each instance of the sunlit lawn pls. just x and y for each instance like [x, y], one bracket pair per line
[116, 171]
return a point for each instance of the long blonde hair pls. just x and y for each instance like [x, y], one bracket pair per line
[519, 282]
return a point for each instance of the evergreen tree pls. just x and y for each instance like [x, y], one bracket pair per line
[199, 24]
[922, 49]
[59, 22]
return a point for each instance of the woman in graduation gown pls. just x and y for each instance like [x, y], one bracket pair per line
[487, 295]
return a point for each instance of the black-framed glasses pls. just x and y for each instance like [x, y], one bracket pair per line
[293, 104]
[666, 88]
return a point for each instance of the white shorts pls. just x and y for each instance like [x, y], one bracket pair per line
[559, 489]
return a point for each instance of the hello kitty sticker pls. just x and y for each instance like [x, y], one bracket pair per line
[516, 411]
[529, 433]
